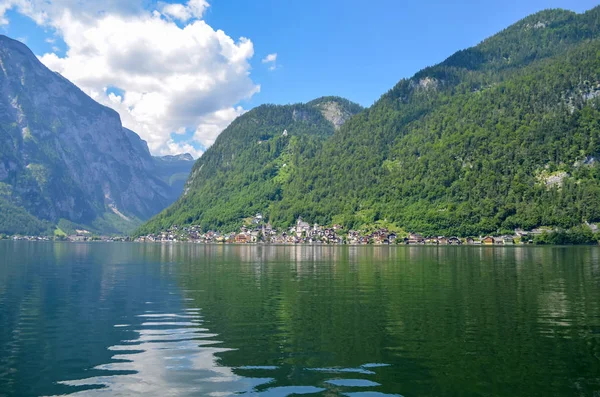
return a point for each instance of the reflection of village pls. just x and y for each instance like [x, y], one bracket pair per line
[304, 233]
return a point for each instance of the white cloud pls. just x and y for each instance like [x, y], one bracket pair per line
[272, 60]
[47, 12]
[182, 147]
[212, 124]
[174, 78]
[183, 13]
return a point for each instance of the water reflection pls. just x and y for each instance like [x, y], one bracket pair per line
[182, 319]
[172, 355]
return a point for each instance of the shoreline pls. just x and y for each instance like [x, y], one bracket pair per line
[162, 243]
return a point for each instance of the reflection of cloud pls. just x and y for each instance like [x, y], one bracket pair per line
[554, 313]
[177, 360]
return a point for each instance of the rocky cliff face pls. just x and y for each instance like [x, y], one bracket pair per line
[335, 113]
[63, 155]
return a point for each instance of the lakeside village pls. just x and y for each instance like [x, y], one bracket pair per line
[304, 233]
[259, 232]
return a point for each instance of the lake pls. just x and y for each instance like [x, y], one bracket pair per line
[183, 319]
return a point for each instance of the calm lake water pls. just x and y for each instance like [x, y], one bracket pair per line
[176, 320]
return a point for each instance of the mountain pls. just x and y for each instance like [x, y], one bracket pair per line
[499, 136]
[66, 159]
[174, 171]
[251, 161]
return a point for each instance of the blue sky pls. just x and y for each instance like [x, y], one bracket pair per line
[350, 48]
[359, 49]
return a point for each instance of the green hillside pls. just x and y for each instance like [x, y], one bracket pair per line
[500, 136]
[466, 147]
[251, 162]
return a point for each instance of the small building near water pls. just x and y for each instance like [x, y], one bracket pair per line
[454, 241]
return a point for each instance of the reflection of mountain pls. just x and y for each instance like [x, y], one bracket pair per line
[443, 318]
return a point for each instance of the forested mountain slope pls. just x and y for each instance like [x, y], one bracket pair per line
[500, 136]
[251, 162]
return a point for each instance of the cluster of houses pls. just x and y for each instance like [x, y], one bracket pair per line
[257, 231]
[414, 238]
[106, 239]
[84, 235]
[71, 238]
[29, 238]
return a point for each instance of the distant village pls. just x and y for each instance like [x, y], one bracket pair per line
[80, 236]
[305, 233]
[258, 231]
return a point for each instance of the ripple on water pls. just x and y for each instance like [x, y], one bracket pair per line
[260, 367]
[168, 357]
[352, 382]
[374, 365]
[167, 315]
[343, 370]
[171, 323]
[284, 391]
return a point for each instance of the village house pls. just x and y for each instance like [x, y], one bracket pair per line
[415, 238]
[454, 241]
[380, 236]
[258, 218]
[488, 240]
[242, 238]
[353, 237]
[508, 240]
[302, 226]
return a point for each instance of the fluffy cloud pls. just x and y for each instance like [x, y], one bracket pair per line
[171, 78]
